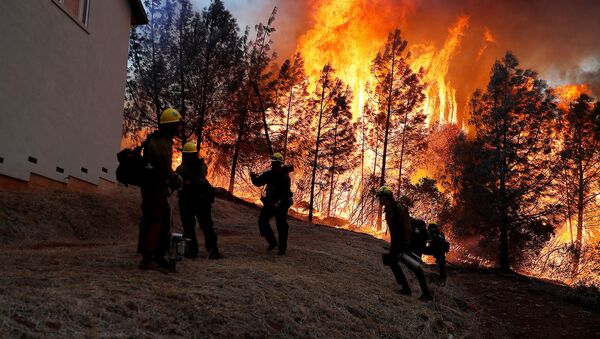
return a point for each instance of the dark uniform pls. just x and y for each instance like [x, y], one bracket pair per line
[437, 246]
[277, 201]
[154, 226]
[398, 221]
[429, 242]
[195, 202]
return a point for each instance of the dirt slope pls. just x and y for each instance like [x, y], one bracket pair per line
[69, 270]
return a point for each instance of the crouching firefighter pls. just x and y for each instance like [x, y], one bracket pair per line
[437, 246]
[157, 179]
[195, 203]
[428, 240]
[398, 221]
[276, 202]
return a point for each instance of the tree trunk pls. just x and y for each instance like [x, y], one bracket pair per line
[287, 122]
[183, 108]
[332, 177]
[316, 157]
[264, 117]
[580, 210]
[402, 153]
[387, 130]
[362, 172]
[236, 151]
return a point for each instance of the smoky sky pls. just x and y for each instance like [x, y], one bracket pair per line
[559, 39]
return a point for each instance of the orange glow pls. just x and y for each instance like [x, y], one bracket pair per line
[569, 93]
[440, 103]
[349, 33]
[488, 39]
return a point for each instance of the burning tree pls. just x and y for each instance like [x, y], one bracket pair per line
[326, 96]
[399, 93]
[581, 158]
[515, 167]
[289, 118]
[339, 143]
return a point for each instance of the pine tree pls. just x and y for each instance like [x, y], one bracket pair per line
[147, 74]
[216, 33]
[581, 158]
[327, 90]
[399, 91]
[339, 142]
[514, 124]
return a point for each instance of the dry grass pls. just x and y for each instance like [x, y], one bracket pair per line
[331, 284]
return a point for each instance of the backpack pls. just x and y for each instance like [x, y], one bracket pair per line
[439, 242]
[131, 166]
[419, 233]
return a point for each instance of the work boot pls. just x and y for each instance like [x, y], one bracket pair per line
[162, 265]
[281, 252]
[147, 264]
[214, 254]
[405, 291]
[426, 297]
[271, 247]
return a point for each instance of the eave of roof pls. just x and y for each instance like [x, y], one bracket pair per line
[138, 13]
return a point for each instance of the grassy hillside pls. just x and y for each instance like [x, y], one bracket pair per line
[70, 269]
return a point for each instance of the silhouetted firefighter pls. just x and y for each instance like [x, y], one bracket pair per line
[158, 177]
[195, 202]
[276, 202]
[398, 221]
[429, 241]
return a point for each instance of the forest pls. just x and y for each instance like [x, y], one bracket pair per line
[516, 186]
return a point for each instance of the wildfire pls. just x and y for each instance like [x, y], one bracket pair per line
[570, 92]
[349, 33]
[440, 103]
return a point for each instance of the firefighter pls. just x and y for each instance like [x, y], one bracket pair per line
[276, 202]
[398, 221]
[428, 240]
[195, 202]
[158, 177]
[437, 246]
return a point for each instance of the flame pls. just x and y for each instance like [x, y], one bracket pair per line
[440, 104]
[488, 38]
[570, 92]
[349, 33]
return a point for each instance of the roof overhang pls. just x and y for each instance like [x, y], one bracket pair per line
[138, 13]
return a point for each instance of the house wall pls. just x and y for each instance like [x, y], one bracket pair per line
[61, 89]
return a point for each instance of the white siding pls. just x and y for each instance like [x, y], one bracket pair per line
[61, 88]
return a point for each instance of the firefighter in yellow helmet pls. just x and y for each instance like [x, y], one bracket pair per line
[158, 179]
[195, 203]
[398, 221]
[276, 202]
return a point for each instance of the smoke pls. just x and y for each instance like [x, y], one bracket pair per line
[560, 39]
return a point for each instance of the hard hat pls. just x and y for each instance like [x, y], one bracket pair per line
[169, 115]
[189, 147]
[384, 191]
[276, 157]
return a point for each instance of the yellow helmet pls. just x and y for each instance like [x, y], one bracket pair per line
[169, 115]
[189, 148]
[384, 191]
[276, 157]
